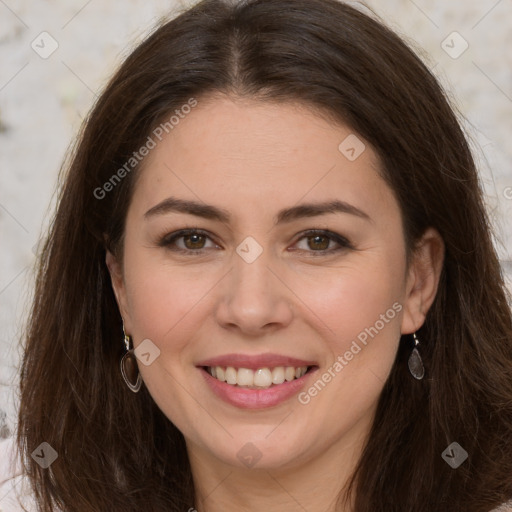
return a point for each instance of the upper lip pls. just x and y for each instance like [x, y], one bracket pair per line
[254, 362]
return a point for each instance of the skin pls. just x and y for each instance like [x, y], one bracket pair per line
[253, 159]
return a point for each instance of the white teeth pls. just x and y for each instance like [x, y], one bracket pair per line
[261, 378]
[278, 375]
[289, 373]
[245, 377]
[220, 373]
[231, 375]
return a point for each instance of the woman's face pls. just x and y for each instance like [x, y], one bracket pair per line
[254, 293]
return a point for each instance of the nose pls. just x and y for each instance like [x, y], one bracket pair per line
[254, 299]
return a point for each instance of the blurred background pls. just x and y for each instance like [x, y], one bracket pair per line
[56, 55]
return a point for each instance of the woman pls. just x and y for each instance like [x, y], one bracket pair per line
[270, 282]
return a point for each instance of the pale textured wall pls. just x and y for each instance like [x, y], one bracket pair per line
[42, 102]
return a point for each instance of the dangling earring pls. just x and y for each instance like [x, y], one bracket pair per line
[129, 368]
[415, 363]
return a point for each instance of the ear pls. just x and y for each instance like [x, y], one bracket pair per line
[422, 280]
[117, 278]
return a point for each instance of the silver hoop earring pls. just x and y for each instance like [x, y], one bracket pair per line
[415, 362]
[129, 368]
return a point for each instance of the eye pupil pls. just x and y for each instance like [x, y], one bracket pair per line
[194, 236]
[324, 246]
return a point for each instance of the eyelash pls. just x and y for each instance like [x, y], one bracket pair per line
[169, 240]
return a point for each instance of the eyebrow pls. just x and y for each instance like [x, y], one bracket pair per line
[207, 211]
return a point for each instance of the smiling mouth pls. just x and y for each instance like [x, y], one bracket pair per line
[261, 378]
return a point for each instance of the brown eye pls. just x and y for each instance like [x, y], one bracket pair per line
[194, 241]
[318, 242]
[187, 241]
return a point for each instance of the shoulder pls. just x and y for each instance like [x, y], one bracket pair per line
[15, 490]
[506, 507]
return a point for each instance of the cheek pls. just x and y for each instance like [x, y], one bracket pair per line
[362, 306]
[162, 298]
[164, 303]
[362, 309]
[354, 297]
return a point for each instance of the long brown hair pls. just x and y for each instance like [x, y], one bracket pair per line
[117, 450]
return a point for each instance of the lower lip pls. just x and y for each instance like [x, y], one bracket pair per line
[246, 398]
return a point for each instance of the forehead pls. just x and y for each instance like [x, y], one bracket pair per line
[240, 152]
